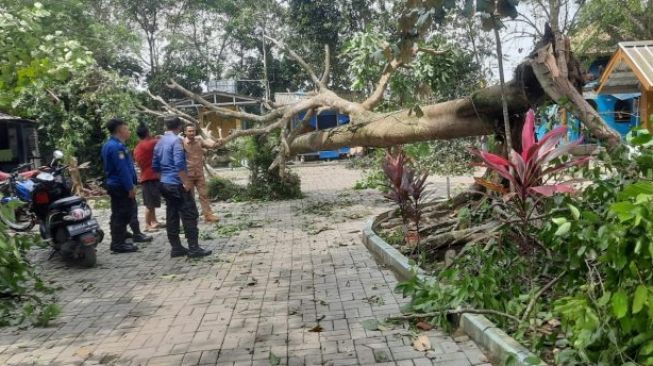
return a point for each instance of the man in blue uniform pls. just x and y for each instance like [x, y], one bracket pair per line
[120, 183]
[170, 161]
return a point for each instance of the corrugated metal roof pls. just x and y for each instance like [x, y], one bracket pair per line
[641, 54]
[630, 68]
[289, 98]
[7, 117]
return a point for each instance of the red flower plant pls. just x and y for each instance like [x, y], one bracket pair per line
[406, 188]
[527, 171]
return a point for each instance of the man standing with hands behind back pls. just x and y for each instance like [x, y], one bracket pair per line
[170, 162]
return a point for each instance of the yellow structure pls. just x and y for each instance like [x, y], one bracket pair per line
[630, 70]
[219, 125]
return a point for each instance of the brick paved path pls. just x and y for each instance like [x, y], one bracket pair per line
[290, 266]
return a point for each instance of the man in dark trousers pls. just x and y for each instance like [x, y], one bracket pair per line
[170, 162]
[120, 183]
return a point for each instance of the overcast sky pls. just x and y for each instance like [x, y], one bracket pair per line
[516, 45]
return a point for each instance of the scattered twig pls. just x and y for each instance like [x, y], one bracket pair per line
[455, 312]
[531, 304]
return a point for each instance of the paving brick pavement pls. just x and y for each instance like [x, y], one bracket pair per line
[291, 266]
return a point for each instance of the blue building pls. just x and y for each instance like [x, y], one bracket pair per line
[324, 121]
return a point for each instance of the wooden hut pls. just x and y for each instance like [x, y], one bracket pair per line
[626, 85]
[212, 121]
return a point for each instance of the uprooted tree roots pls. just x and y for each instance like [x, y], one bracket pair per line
[443, 228]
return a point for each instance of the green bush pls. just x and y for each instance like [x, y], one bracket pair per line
[582, 293]
[266, 184]
[222, 189]
[24, 296]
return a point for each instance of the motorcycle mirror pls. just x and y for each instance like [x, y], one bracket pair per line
[57, 155]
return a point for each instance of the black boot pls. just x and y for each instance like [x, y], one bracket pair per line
[124, 248]
[194, 249]
[142, 238]
[176, 249]
[178, 252]
[198, 252]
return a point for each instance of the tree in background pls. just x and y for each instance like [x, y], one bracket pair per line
[47, 76]
[604, 23]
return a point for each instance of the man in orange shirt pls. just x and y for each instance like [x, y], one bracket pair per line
[149, 178]
[194, 147]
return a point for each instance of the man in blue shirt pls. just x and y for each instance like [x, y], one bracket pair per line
[170, 162]
[120, 183]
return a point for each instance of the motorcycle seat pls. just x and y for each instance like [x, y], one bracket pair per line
[65, 202]
[27, 175]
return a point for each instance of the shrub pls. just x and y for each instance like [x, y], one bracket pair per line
[24, 296]
[222, 189]
[266, 184]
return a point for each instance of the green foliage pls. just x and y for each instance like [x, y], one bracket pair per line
[75, 123]
[601, 240]
[31, 58]
[603, 23]
[24, 296]
[54, 79]
[430, 77]
[439, 157]
[607, 239]
[479, 280]
[265, 184]
[443, 157]
[222, 189]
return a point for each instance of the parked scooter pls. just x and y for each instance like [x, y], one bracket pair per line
[65, 220]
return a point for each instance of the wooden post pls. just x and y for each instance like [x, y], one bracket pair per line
[75, 176]
[563, 120]
[646, 109]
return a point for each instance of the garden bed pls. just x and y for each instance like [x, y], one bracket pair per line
[499, 344]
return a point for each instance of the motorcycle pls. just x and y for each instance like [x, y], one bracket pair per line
[65, 221]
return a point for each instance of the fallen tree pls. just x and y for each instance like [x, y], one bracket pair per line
[548, 74]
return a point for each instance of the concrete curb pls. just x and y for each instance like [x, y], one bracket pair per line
[498, 343]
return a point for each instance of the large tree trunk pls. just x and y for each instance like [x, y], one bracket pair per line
[477, 115]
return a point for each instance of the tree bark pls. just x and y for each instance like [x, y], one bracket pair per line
[476, 115]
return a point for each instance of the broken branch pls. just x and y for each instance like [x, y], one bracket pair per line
[455, 312]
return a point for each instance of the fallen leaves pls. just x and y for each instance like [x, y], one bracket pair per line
[424, 326]
[373, 324]
[422, 343]
[316, 329]
[274, 359]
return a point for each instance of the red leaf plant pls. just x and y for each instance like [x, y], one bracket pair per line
[406, 188]
[530, 171]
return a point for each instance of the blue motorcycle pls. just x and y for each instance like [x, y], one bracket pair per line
[15, 203]
[65, 221]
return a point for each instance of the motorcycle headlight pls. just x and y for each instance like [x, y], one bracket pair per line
[77, 214]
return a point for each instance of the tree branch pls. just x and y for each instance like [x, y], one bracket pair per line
[302, 63]
[225, 112]
[562, 91]
[173, 110]
[631, 16]
[377, 96]
[327, 66]
[455, 312]
[539, 294]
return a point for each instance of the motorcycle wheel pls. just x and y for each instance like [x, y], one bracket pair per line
[10, 217]
[87, 257]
